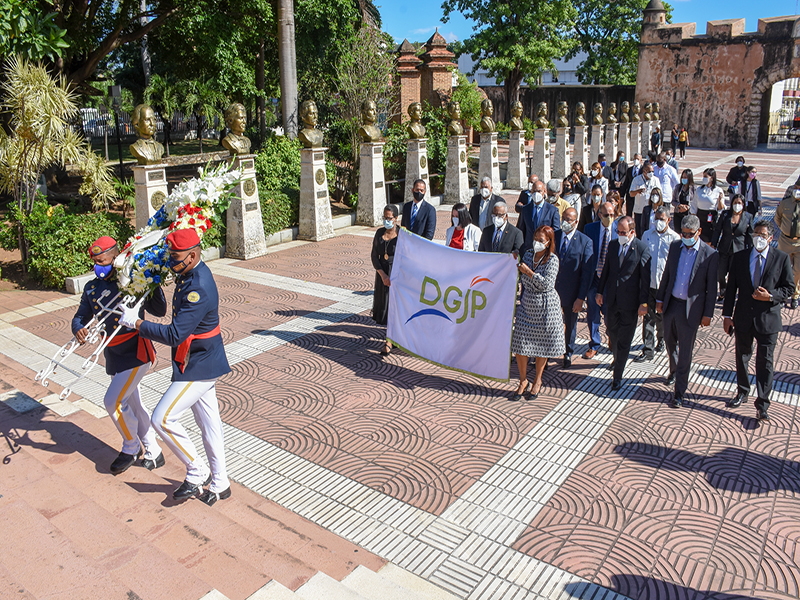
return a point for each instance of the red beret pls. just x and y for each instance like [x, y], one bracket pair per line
[102, 244]
[182, 239]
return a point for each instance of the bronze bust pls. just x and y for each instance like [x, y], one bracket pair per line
[580, 114]
[656, 110]
[648, 108]
[309, 136]
[624, 118]
[597, 119]
[487, 123]
[516, 117]
[369, 132]
[146, 150]
[563, 109]
[416, 130]
[236, 120]
[636, 110]
[611, 117]
[541, 116]
[454, 127]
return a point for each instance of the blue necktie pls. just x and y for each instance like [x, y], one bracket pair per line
[413, 215]
[535, 217]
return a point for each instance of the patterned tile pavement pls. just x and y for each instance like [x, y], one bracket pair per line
[577, 494]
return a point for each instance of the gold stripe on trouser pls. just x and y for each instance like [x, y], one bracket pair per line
[118, 408]
[166, 414]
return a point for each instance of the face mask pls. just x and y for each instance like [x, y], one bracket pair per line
[530, 186]
[538, 247]
[636, 162]
[418, 196]
[498, 221]
[689, 242]
[737, 208]
[552, 199]
[685, 181]
[624, 241]
[537, 198]
[486, 192]
[103, 271]
[455, 221]
[760, 243]
[751, 176]
[388, 224]
[594, 172]
[177, 265]
[705, 180]
[655, 202]
[739, 164]
[566, 227]
[602, 163]
[661, 226]
[606, 221]
[796, 193]
[567, 190]
[621, 159]
[648, 175]
[596, 199]
[660, 163]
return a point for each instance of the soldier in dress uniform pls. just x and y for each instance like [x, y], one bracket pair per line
[198, 359]
[128, 358]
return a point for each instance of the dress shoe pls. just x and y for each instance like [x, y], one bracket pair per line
[567, 362]
[187, 490]
[123, 462]
[793, 303]
[643, 357]
[154, 464]
[208, 497]
[671, 379]
[676, 402]
[737, 401]
[519, 396]
[660, 347]
[589, 354]
[616, 385]
[761, 414]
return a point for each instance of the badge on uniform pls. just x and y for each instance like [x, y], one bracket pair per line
[193, 297]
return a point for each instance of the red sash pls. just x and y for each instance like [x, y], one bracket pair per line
[182, 350]
[145, 351]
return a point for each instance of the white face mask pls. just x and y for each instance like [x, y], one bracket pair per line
[705, 180]
[498, 221]
[661, 226]
[596, 198]
[760, 243]
[636, 162]
[537, 198]
[648, 175]
[624, 241]
[486, 192]
[566, 227]
[530, 186]
[595, 172]
[737, 208]
[538, 247]
[455, 221]
[739, 164]
[388, 224]
[796, 193]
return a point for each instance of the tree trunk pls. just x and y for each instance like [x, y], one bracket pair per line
[288, 67]
[200, 132]
[261, 102]
[145, 51]
[167, 127]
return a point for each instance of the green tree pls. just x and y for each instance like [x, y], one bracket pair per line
[28, 31]
[164, 96]
[203, 100]
[516, 39]
[609, 33]
[469, 97]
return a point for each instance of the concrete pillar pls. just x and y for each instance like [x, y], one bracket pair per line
[244, 236]
[488, 163]
[562, 164]
[456, 177]
[316, 221]
[417, 168]
[611, 142]
[541, 154]
[150, 183]
[517, 172]
[625, 141]
[581, 146]
[647, 131]
[636, 140]
[371, 185]
[598, 144]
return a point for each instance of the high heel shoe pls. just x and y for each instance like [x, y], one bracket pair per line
[387, 348]
[532, 395]
[519, 396]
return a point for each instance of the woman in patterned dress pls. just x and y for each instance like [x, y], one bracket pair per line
[538, 326]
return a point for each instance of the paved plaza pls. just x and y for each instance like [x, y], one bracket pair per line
[580, 493]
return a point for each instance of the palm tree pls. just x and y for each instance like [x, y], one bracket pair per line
[288, 67]
[202, 100]
[162, 94]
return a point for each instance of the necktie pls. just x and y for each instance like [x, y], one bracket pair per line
[413, 215]
[535, 217]
[496, 241]
[603, 249]
[564, 245]
[795, 232]
[757, 273]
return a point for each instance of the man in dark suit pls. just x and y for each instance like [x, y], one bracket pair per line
[500, 236]
[624, 287]
[419, 216]
[575, 273]
[686, 298]
[605, 168]
[482, 203]
[634, 170]
[763, 279]
[601, 233]
[535, 214]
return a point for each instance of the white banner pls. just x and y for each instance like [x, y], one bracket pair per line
[453, 307]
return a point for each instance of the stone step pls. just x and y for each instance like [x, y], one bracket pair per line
[323, 587]
[416, 584]
[274, 591]
[372, 586]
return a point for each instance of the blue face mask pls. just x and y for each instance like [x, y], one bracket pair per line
[602, 163]
[689, 242]
[103, 271]
[175, 265]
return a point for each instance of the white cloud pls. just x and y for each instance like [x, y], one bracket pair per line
[450, 37]
[422, 31]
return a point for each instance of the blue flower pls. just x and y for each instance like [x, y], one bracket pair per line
[157, 279]
[147, 273]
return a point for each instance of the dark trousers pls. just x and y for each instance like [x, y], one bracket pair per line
[593, 314]
[723, 269]
[652, 325]
[570, 330]
[706, 226]
[623, 324]
[677, 219]
[637, 222]
[682, 147]
[765, 348]
[679, 339]
[629, 201]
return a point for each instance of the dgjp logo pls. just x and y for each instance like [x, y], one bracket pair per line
[453, 300]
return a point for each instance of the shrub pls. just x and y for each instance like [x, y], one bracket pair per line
[279, 210]
[278, 164]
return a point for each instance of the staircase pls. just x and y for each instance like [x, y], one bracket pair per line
[69, 529]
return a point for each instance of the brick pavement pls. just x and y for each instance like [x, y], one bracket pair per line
[438, 472]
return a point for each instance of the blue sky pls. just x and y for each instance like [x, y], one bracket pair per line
[416, 19]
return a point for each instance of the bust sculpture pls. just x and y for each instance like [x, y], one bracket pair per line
[309, 136]
[636, 110]
[656, 110]
[146, 150]
[597, 119]
[648, 109]
[236, 120]
[624, 118]
[562, 108]
[580, 114]
[516, 117]
[611, 117]
[369, 132]
[415, 129]
[454, 127]
[487, 122]
[541, 116]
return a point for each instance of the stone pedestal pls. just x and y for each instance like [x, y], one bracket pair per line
[636, 140]
[541, 154]
[625, 141]
[581, 146]
[244, 237]
[316, 222]
[151, 190]
[371, 185]
[517, 172]
[647, 131]
[417, 168]
[598, 143]
[489, 164]
[562, 165]
[611, 142]
[456, 177]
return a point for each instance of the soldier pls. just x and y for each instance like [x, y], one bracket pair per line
[198, 360]
[128, 358]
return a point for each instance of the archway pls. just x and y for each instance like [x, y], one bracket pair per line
[779, 107]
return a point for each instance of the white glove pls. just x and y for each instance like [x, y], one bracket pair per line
[129, 317]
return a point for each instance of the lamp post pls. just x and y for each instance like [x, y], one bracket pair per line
[116, 96]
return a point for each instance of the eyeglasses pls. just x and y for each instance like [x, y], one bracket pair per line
[688, 235]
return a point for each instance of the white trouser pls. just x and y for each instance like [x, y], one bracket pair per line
[201, 397]
[124, 406]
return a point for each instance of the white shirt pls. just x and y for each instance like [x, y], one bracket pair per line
[472, 237]
[659, 244]
[602, 182]
[574, 201]
[706, 198]
[643, 198]
[482, 217]
[668, 177]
